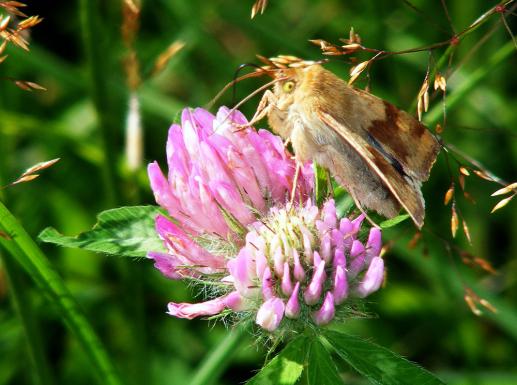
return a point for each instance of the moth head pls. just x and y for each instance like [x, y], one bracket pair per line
[286, 87]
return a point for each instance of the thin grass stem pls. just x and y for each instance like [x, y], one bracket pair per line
[25, 251]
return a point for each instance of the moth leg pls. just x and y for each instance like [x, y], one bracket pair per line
[268, 100]
[295, 182]
[358, 205]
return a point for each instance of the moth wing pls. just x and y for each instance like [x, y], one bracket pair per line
[405, 189]
[399, 134]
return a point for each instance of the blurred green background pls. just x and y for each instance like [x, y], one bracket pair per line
[420, 314]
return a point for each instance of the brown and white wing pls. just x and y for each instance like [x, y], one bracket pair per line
[396, 133]
[404, 187]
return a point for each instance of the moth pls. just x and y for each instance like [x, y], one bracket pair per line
[380, 154]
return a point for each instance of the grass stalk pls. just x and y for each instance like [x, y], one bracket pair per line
[92, 38]
[25, 251]
[219, 358]
[40, 370]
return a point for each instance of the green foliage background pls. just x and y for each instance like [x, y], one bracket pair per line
[420, 313]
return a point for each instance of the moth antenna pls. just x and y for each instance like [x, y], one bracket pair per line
[210, 104]
[258, 69]
[258, 90]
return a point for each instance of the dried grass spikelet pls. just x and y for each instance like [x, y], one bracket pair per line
[502, 203]
[28, 86]
[466, 231]
[11, 7]
[473, 300]
[448, 195]
[284, 61]
[4, 23]
[423, 98]
[511, 188]
[440, 82]
[505, 190]
[357, 70]
[461, 180]
[484, 175]
[28, 23]
[351, 45]
[17, 35]
[258, 7]
[30, 174]
[464, 171]
[353, 37]
[163, 59]
[472, 260]
[413, 242]
[454, 220]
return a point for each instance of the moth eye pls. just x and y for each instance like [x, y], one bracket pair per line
[288, 86]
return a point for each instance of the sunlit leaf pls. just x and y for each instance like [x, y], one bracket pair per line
[286, 367]
[378, 364]
[125, 231]
[321, 369]
[393, 221]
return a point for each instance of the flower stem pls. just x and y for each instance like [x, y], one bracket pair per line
[219, 358]
[17, 242]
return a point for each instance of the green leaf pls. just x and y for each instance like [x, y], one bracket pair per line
[378, 364]
[394, 221]
[321, 369]
[124, 231]
[321, 183]
[344, 201]
[287, 366]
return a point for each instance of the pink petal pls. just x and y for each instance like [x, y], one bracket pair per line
[186, 250]
[374, 244]
[230, 199]
[373, 278]
[168, 265]
[357, 257]
[340, 285]
[268, 290]
[287, 284]
[327, 311]
[193, 310]
[299, 271]
[326, 247]
[329, 214]
[270, 314]
[313, 292]
[292, 308]
[242, 270]
[338, 240]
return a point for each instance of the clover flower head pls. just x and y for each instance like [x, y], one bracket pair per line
[230, 226]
